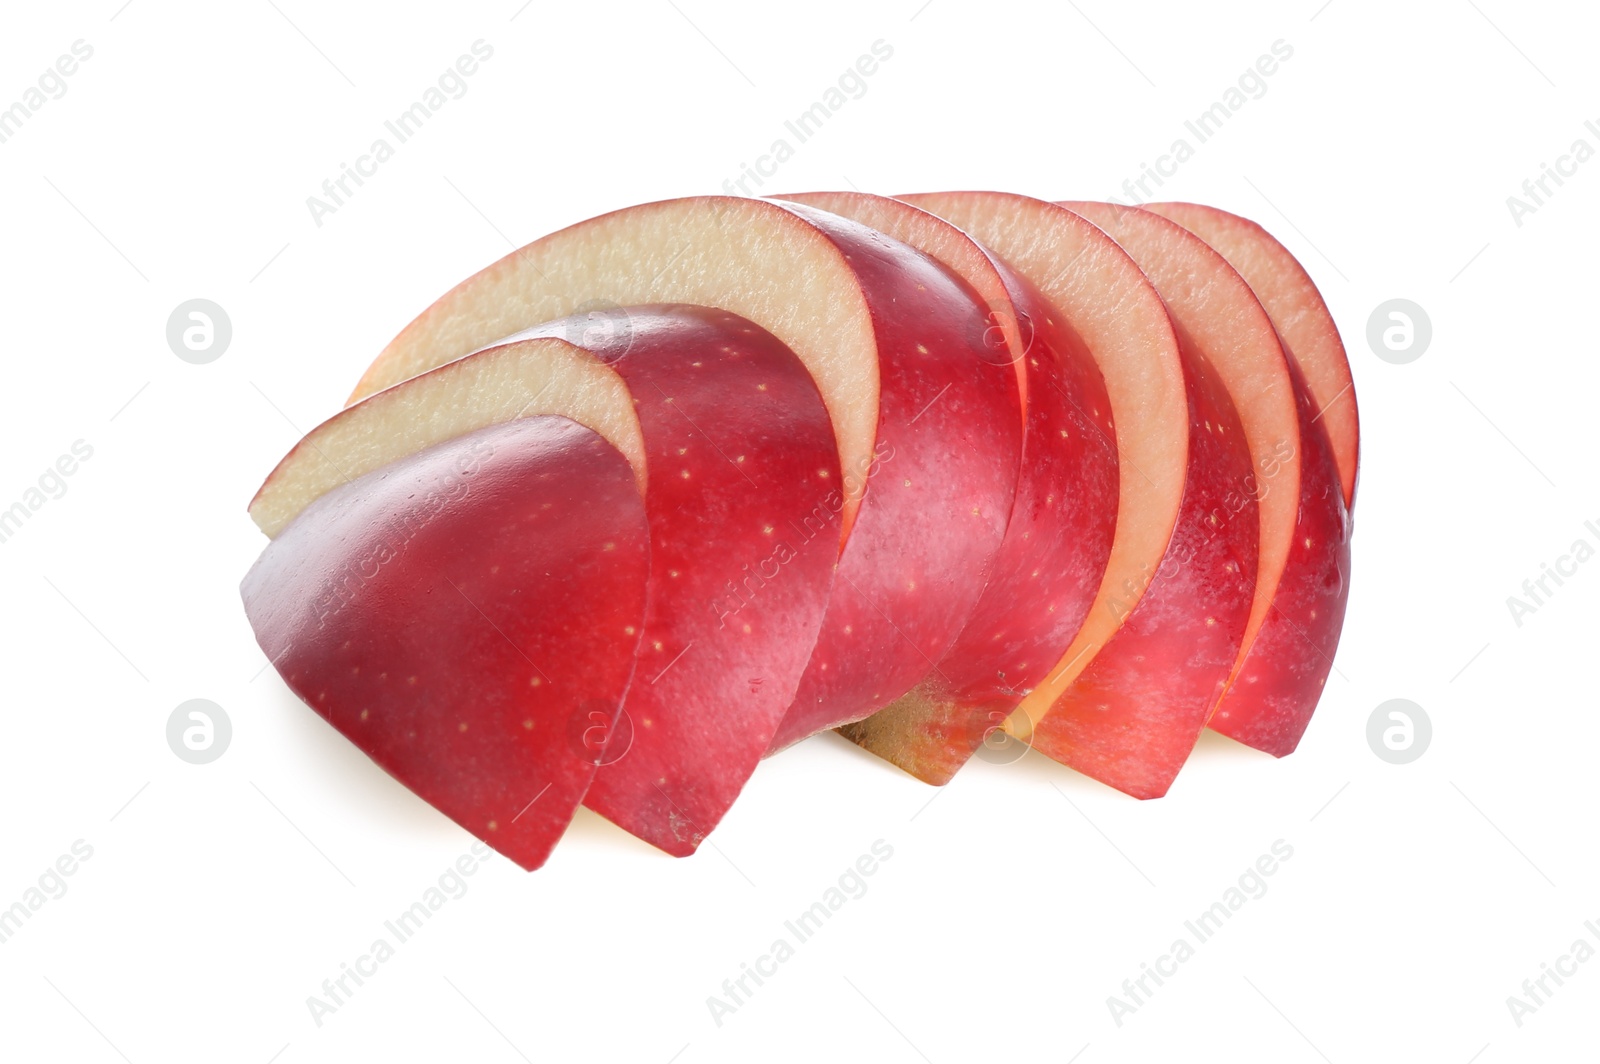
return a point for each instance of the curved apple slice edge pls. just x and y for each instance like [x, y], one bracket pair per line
[1291, 298]
[1073, 264]
[1218, 313]
[758, 259]
[517, 379]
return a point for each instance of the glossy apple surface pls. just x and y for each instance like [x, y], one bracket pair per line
[928, 430]
[1058, 537]
[733, 447]
[1275, 691]
[463, 615]
[1125, 702]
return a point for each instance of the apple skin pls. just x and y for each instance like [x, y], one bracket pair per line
[740, 450]
[939, 494]
[1131, 718]
[464, 615]
[933, 467]
[1062, 521]
[1047, 570]
[1271, 700]
[1281, 679]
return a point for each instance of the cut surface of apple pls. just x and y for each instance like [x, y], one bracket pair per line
[732, 445]
[1216, 311]
[1302, 318]
[894, 342]
[461, 614]
[1059, 535]
[1275, 691]
[1133, 689]
[545, 378]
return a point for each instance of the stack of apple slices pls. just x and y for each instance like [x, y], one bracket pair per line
[674, 488]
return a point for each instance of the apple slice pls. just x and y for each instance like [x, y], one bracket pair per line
[460, 614]
[1134, 687]
[733, 448]
[928, 430]
[1059, 535]
[740, 453]
[1307, 328]
[1276, 689]
[1216, 311]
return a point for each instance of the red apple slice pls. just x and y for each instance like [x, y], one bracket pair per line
[1276, 689]
[1217, 312]
[1059, 536]
[732, 443]
[928, 430]
[457, 613]
[1309, 334]
[1133, 690]
[740, 452]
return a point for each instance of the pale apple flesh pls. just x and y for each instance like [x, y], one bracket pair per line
[1059, 534]
[545, 376]
[1215, 309]
[461, 614]
[1309, 334]
[1277, 686]
[756, 259]
[894, 342]
[1075, 265]
[1126, 701]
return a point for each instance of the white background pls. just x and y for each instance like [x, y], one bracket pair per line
[219, 897]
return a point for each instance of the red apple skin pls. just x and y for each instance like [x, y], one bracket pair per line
[1277, 687]
[1046, 573]
[939, 495]
[463, 615]
[740, 450]
[1131, 718]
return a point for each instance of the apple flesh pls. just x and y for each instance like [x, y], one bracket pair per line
[1216, 311]
[1059, 534]
[732, 447]
[463, 615]
[928, 430]
[1126, 700]
[1303, 321]
[1276, 688]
